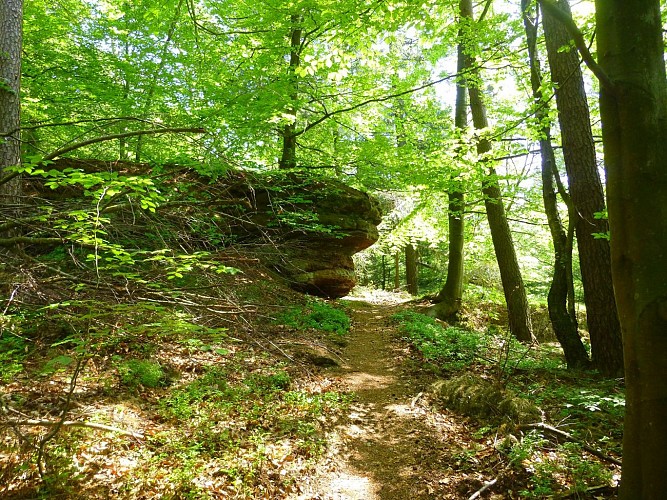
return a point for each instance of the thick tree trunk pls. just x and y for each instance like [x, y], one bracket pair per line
[411, 269]
[288, 156]
[510, 274]
[587, 196]
[634, 131]
[11, 34]
[564, 324]
[448, 300]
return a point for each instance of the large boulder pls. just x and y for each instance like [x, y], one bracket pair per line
[311, 227]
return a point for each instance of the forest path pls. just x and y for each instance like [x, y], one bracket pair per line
[392, 445]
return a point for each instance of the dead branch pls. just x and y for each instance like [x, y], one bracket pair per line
[70, 423]
[569, 437]
[41, 448]
[479, 492]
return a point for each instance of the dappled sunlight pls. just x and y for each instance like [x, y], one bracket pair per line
[363, 381]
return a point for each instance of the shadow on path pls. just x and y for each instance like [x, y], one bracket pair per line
[391, 446]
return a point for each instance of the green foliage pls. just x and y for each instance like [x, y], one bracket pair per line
[142, 372]
[589, 405]
[318, 315]
[13, 350]
[555, 470]
[452, 348]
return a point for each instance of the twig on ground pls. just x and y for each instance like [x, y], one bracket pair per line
[479, 492]
[71, 423]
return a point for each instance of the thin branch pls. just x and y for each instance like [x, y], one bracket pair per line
[569, 437]
[41, 450]
[70, 423]
[104, 138]
[385, 98]
[77, 122]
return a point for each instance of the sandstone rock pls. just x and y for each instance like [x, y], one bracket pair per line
[312, 227]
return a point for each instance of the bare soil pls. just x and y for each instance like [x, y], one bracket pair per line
[392, 445]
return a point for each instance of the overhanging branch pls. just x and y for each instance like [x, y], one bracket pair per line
[105, 138]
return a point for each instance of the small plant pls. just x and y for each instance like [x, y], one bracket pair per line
[12, 353]
[317, 315]
[453, 348]
[555, 470]
[142, 372]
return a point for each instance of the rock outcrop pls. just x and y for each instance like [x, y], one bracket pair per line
[310, 228]
[305, 227]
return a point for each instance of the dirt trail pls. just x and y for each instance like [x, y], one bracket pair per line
[392, 446]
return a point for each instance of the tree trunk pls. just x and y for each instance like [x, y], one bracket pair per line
[384, 272]
[11, 35]
[634, 131]
[587, 196]
[564, 324]
[448, 301]
[397, 272]
[510, 274]
[288, 157]
[411, 269]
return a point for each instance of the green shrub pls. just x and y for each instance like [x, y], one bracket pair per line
[453, 348]
[144, 372]
[317, 315]
[556, 470]
[12, 354]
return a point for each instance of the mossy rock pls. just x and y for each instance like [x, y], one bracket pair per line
[480, 398]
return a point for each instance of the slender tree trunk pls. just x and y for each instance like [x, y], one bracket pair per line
[587, 196]
[448, 301]
[515, 294]
[384, 272]
[288, 157]
[11, 35]
[411, 269]
[634, 131]
[397, 272]
[564, 324]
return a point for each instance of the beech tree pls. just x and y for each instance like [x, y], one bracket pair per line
[503, 244]
[448, 300]
[633, 107]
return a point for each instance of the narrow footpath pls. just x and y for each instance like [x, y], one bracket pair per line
[391, 446]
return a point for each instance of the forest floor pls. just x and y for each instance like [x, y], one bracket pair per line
[169, 405]
[392, 445]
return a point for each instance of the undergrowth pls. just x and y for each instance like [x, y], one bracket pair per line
[317, 315]
[503, 385]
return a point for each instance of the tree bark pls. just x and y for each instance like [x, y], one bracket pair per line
[411, 269]
[11, 36]
[563, 322]
[515, 294]
[448, 300]
[288, 156]
[634, 131]
[587, 196]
